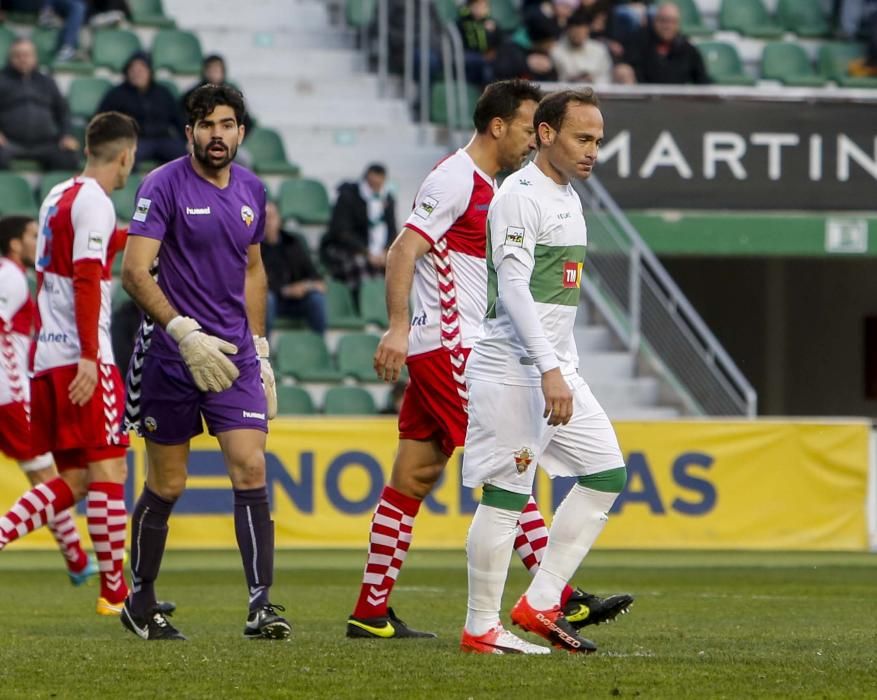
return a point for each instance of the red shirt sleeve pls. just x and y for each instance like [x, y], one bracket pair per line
[86, 304]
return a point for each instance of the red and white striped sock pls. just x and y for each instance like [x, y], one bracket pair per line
[107, 521]
[34, 509]
[389, 539]
[67, 536]
[531, 540]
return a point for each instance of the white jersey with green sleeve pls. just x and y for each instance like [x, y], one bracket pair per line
[541, 224]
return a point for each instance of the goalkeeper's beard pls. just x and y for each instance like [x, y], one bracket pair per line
[203, 156]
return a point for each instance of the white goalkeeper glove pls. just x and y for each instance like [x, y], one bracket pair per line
[204, 355]
[263, 350]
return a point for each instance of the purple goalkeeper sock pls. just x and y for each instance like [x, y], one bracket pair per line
[148, 537]
[254, 530]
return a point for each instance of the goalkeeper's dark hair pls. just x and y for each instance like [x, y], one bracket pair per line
[206, 98]
[107, 133]
[552, 110]
[502, 99]
[12, 228]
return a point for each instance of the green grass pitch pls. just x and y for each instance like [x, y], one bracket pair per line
[705, 625]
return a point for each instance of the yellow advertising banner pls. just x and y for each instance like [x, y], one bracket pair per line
[691, 484]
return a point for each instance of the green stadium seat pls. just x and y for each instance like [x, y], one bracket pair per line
[269, 156]
[123, 199]
[723, 63]
[24, 165]
[304, 355]
[789, 64]
[356, 354]
[150, 13]
[691, 20]
[360, 13]
[46, 42]
[7, 36]
[340, 309]
[803, 17]
[16, 195]
[85, 95]
[119, 295]
[447, 10]
[750, 18]
[834, 61]
[304, 200]
[294, 401]
[438, 106]
[507, 14]
[349, 401]
[373, 301]
[178, 51]
[111, 48]
[52, 178]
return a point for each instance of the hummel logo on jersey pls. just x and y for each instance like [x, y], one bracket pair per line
[253, 414]
[564, 215]
[197, 211]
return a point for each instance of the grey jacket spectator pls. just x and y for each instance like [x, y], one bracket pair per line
[34, 117]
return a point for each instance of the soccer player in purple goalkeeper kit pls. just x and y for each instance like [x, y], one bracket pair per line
[200, 351]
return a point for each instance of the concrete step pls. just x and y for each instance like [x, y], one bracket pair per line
[236, 40]
[624, 393]
[254, 82]
[602, 366]
[273, 14]
[638, 413]
[592, 339]
[288, 112]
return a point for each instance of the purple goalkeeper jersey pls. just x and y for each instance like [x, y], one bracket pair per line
[205, 233]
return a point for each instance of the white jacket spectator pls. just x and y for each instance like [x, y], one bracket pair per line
[577, 58]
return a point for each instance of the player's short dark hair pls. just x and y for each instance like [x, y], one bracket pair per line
[502, 99]
[11, 228]
[206, 98]
[376, 169]
[107, 132]
[552, 110]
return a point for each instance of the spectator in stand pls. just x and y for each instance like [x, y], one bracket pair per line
[535, 63]
[660, 54]
[69, 15]
[295, 288]
[362, 226]
[481, 37]
[859, 18]
[577, 57]
[152, 106]
[34, 117]
[213, 72]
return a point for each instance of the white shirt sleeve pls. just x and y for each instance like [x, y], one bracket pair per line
[514, 225]
[94, 221]
[442, 199]
[13, 291]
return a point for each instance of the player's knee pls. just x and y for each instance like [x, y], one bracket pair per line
[78, 483]
[248, 472]
[418, 482]
[170, 489]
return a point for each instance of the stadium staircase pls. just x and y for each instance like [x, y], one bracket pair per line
[304, 76]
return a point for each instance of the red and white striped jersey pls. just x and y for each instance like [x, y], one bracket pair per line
[450, 282]
[77, 222]
[16, 324]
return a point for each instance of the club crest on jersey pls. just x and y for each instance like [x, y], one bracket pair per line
[247, 215]
[425, 209]
[523, 459]
[150, 424]
[572, 275]
[514, 235]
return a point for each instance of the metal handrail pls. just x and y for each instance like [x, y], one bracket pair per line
[625, 277]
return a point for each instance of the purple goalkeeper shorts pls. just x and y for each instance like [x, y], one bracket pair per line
[171, 406]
